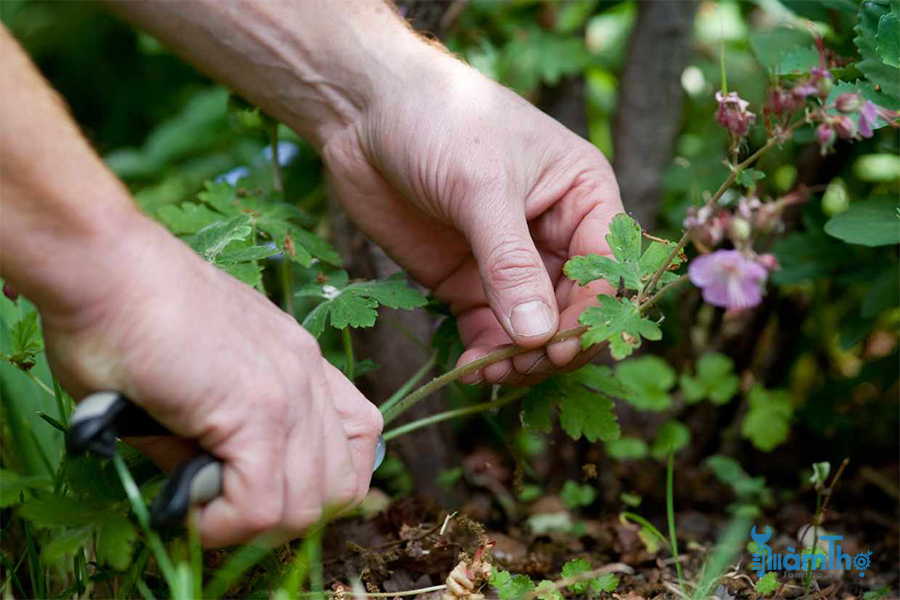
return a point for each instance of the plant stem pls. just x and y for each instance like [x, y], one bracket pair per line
[143, 517]
[467, 369]
[287, 291]
[348, 350]
[278, 183]
[670, 512]
[662, 292]
[457, 412]
[729, 181]
[404, 389]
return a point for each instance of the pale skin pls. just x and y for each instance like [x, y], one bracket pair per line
[477, 194]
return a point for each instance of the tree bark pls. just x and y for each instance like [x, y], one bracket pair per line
[648, 116]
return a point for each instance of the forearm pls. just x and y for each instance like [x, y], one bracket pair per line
[61, 210]
[312, 64]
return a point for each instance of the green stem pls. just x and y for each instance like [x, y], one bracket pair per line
[276, 166]
[287, 291]
[348, 350]
[662, 292]
[404, 389]
[469, 368]
[143, 517]
[457, 412]
[670, 511]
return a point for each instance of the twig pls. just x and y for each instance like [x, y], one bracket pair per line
[662, 291]
[458, 412]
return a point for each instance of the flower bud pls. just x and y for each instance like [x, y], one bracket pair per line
[836, 198]
[9, 292]
[826, 136]
[768, 261]
[732, 114]
[824, 86]
[848, 103]
[844, 127]
[739, 230]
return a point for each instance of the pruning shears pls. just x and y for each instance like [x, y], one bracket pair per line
[103, 417]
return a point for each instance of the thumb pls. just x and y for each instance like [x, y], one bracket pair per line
[515, 279]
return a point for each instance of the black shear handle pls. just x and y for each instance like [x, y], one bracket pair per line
[104, 416]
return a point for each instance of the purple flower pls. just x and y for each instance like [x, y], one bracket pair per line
[733, 115]
[867, 116]
[844, 127]
[728, 279]
[825, 135]
[848, 102]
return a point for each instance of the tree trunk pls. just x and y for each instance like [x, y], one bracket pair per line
[648, 116]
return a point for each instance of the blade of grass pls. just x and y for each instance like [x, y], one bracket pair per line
[11, 571]
[144, 590]
[410, 383]
[196, 553]
[300, 566]
[236, 565]
[645, 523]
[35, 572]
[63, 404]
[729, 544]
[143, 517]
[670, 512]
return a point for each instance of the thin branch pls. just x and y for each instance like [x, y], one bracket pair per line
[663, 291]
[469, 368]
[457, 412]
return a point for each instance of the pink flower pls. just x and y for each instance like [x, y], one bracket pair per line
[848, 102]
[728, 279]
[867, 116]
[733, 115]
[844, 127]
[825, 135]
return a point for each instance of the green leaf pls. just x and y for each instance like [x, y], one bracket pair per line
[767, 584]
[729, 471]
[768, 421]
[281, 222]
[575, 495]
[672, 436]
[821, 470]
[585, 269]
[67, 542]
[353, 304]
[574, 568]
[619, 322]
[187, 218]
[887, 40]
[877, 594]
[60, 511]
[210, 241]
[873, 65]
[627, 448]
[12, 485]
[499, 577]
[584, 411]
[116, 542]
[515, 588]
[870, 222]
[749, 177]
[26, 341]
[785, 50]
[546, 590]
[624, 240]
[605, 583]
[536, 408]
[654, 257]
[715, 380]
[649, 378]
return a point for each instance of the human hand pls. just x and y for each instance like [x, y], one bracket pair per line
[218, 364]
[482, 198]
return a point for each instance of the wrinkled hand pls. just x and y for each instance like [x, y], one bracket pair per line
[216, 362]
[481, 198]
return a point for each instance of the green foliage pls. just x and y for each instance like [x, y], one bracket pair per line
[353, 304]
[116, 542]
[26, 341]
[750, 490]
[510, 587]
[870, 222]
[575, 495]
[768, 420]
[13, 486]
[785, 51]
[630, 266]
[618, 322]
[545, 590]
[715, 380]
[672, 436]
[749, 177]
[877, 594]
[648, 380]
[820, 473]
[767, 584]
[627, 448]
[879, 58]
[584, 400]
[603, 583]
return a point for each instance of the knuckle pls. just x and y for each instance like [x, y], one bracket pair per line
[262, 515]
[512, 264]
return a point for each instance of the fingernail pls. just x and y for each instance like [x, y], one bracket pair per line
[532, 319]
